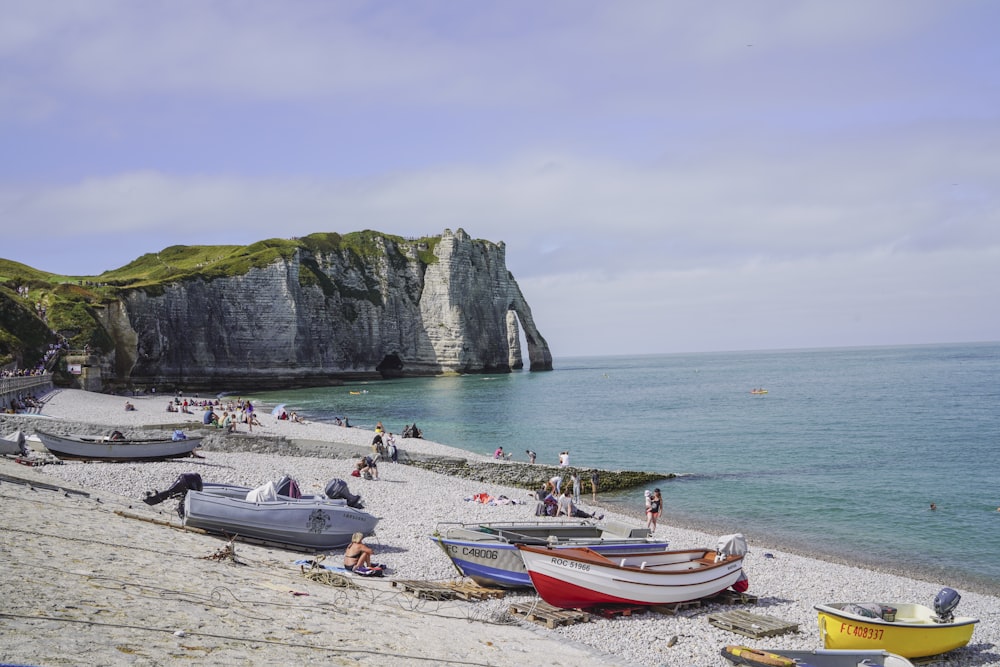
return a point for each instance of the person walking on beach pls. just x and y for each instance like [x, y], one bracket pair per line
[248, 415]
[653, 510]
[595, 478]
[575, 478]
[390, 448]
[531, 455]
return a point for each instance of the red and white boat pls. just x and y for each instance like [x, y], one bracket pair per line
[579, 578]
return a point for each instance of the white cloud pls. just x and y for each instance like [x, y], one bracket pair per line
[835, 301]
[759, 171]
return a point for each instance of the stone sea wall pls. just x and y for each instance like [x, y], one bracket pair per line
[506, 473]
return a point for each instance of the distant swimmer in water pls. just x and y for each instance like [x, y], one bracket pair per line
[933, 506]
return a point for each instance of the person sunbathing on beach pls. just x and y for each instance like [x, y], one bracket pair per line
[566, 507]
[129, 407]
[367, 467]
[358, 554]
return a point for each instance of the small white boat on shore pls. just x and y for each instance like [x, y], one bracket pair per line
[579, 578]
[109, 448]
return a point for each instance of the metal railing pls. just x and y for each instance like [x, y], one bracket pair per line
[13, 386]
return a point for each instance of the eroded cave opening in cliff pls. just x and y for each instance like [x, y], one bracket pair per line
[391, 366]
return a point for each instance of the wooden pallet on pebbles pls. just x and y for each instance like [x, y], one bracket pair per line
[611, 611]
[545, 614]
[732, 597]
[435, 590]
[725, 597]
[672, 609]
[467, 591]
[751, 625]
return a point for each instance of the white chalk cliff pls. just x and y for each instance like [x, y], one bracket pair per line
[323, 313]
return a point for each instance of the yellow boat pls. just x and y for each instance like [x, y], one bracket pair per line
[909, 630]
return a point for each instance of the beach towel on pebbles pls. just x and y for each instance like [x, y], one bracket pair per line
[313, 563]
[487, 499]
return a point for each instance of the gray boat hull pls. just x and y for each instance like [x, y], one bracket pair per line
[309, 523]
[103, 449]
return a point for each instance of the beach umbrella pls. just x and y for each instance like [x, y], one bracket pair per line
[277, 410]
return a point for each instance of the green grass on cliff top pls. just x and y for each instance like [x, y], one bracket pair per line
[179, 262]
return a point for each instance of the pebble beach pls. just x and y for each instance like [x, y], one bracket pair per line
[92, 575]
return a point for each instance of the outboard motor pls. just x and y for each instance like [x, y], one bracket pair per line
[944, 604]
[337, 489]
[185, 482]
[288, 487]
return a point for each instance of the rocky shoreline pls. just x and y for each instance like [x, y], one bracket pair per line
[86, 585]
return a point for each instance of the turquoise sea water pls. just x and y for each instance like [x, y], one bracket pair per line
[842, 456]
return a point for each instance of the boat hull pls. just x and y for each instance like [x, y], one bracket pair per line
[486, 553]
[302, 524]
[742, 655]
[96, 448]
[914, 633]
[581, 578]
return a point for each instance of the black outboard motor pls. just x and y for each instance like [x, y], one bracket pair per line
[185, 482]
[944, 604]
[337, 489]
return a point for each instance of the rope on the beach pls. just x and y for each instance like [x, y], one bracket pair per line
[320, 574]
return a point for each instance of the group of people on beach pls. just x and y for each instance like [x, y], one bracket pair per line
[241, 412]
[19, 404]
[556, 502]
[384, 445]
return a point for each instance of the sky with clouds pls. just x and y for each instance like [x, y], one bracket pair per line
[666, 176]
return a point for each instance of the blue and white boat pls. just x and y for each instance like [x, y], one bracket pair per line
[487, 552]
